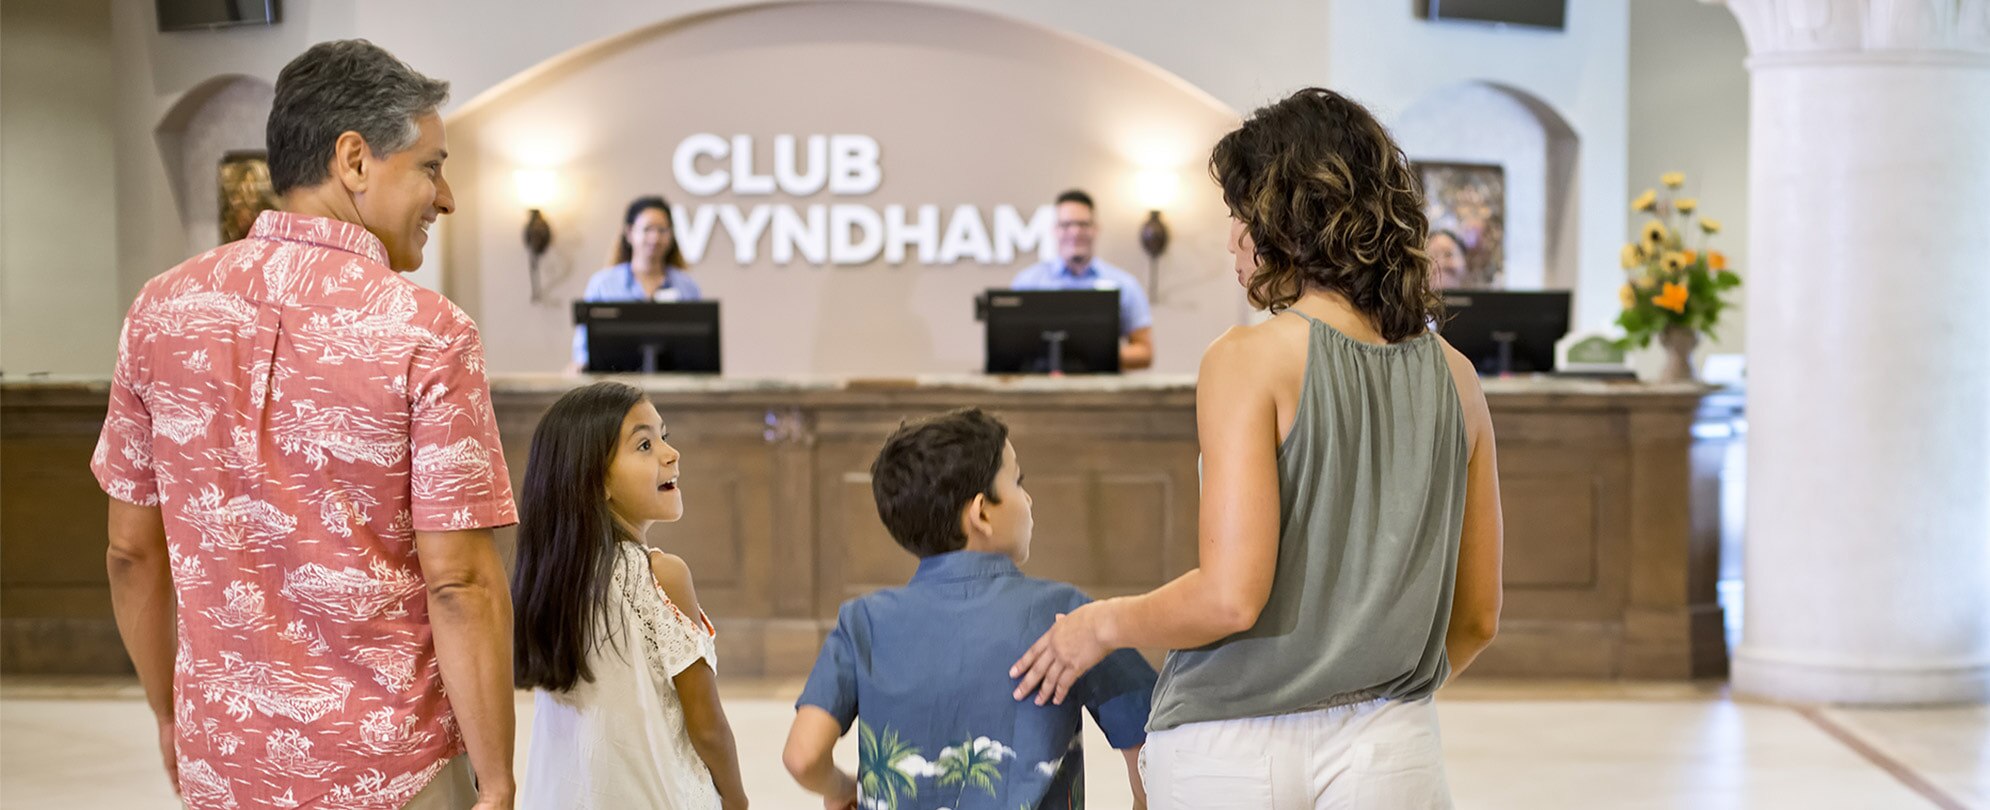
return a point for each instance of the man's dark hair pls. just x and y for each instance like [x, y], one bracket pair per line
[1076, 196]
[347, 85]
[929, 470]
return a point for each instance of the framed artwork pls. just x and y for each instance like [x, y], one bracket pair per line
[245, 192]
[1466, 206]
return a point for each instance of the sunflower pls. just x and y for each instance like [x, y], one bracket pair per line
[1685, 205]
[1673, 261]
[1710, 225]
[1646, 201]
[1672, 179]
[1632, 256]
[1628, 295]
[1654, 236]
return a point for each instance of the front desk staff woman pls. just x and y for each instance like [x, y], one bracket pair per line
[648, 266]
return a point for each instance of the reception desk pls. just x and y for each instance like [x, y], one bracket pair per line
[1611, 498]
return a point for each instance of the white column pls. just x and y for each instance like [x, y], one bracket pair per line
[1868, 546]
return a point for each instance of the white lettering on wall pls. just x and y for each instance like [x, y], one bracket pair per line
[853, 165]
[898, 233]
[745, 231]
[844, 233]
[966, 238]
[744, 181]
[1014, 238]
[844, 246]
[694, 232]
[684, 165]
[792, 234]
[793, 181]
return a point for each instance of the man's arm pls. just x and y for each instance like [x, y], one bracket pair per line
[1138, 350]
[146, 609]
[808, 757]
[469, 611]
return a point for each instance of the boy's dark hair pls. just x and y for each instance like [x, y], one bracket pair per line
[1076, 196]
[928, 470]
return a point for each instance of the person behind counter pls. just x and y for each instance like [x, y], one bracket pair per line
[1077, 268]
[648, 266]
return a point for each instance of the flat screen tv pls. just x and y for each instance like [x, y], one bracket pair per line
[1532, 13]
[197, 15]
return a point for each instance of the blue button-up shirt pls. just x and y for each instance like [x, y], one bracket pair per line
[924, 671]
[619, 283]
[1134, 313]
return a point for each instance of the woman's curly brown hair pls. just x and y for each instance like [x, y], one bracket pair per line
[1331, 203]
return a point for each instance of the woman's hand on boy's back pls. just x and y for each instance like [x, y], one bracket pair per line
[1069, 649]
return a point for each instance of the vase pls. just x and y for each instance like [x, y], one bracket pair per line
[1679, 342]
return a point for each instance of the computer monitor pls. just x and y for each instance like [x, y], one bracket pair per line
[639, 336]
[1052, 331]
[1506, 332]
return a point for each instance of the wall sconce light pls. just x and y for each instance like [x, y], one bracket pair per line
[1155, 189]
[536, 190]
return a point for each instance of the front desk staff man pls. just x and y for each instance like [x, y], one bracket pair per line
[1077, 269]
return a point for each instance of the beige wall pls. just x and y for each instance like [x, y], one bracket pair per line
[59, 304]
[1392, 60]
[1689, 113]
[967, 109]
[1242, 54]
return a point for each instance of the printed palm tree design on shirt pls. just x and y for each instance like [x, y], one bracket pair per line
[975, 763]
[880, 779]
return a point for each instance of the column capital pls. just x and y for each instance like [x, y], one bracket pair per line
[1824, 31]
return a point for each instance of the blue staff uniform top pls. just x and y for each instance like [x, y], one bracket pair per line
[1134, 313]
[619, 283]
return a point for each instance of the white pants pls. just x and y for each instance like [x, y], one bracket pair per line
[1379, 754]
[454, 788]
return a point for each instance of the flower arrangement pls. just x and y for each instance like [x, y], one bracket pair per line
[1672, 291]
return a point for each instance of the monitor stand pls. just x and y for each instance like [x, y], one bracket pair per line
[1503, 364]
[650, 352]
[1054, 360]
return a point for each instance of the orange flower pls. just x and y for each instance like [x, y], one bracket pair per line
[1672, 297]
[1716, 261]
[1691, 257]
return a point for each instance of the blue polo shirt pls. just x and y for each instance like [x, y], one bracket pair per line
[619, 283]
[923, 671]
[1134, 313]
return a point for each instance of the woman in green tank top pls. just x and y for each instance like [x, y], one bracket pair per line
[1350, 524]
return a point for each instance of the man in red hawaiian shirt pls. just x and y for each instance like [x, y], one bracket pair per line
[304, 473]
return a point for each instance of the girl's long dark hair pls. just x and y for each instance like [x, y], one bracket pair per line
[566, 536]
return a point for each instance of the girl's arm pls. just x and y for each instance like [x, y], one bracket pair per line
[698, 690]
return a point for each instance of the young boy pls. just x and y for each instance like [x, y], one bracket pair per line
[924, 669]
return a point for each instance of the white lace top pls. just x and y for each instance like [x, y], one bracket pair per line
[620, 741]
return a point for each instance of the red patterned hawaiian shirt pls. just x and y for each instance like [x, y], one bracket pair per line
[298, 411]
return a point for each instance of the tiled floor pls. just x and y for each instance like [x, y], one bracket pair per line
[1533, 745]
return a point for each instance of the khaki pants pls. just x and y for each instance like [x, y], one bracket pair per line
[1378, 754]
[454, 788]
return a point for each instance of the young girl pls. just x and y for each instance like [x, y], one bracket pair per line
[609, 634]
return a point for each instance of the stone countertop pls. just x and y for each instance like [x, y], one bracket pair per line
[554, 383]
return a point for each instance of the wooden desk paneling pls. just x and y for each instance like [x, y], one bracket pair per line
[1611, 507]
